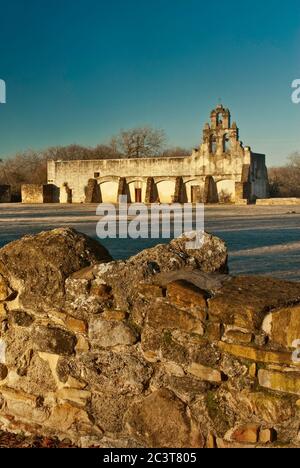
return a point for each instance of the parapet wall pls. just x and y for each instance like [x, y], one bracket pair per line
[164, 350]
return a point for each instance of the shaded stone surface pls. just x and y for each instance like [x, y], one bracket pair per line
[283, 326]
[161, 421]
[246, 300]
[54, 340]
[21, 318]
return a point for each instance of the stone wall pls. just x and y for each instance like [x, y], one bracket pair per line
[5, 193]
[278, 201]
[163, 350]
[36, 194]
[221, 157]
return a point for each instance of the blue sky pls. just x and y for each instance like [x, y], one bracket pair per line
[78, 71]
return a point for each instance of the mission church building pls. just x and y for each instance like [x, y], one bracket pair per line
[221, 169]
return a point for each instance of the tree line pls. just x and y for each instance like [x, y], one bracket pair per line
[285, 180]
[30, 167]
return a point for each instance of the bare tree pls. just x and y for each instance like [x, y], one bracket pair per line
[176, 152]
[143, 142]
[284, 182]
[30, 167]
[294, 160]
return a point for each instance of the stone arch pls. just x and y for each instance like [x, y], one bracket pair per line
[102, 180]
[219, 118]
[137, 190]
[166, 190]
[226, 190]
[109, 188]
[194, 189]
[213, 144]
[226, 143]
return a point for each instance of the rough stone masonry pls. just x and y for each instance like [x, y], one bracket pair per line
[162, 350]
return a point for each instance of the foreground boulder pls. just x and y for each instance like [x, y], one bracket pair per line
[163, 350]
[35, 267]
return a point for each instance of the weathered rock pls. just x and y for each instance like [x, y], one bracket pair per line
[76, 326]
[186, 295]
[166, 316]
[54, 340]
[233, 335]
[37, 266]
[267, 408]
[245, 301]
[3, 372]
[148, 265]
[3, 312]
[156, 351]
[283, 326]
[211, 257]
[5, 290]
[114, 316]
[150, 291]
[104, 334]
[109, 409]
[69, 419]
[205, 373]
[21, 318]
[267, 435]
[280, 382]
[248, 434]
[160, 420]
[255, 354]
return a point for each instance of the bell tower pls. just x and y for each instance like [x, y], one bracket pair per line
[220, 135]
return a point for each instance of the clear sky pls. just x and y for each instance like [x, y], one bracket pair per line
[77, 71]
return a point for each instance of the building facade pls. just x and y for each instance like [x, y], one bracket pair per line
[221, 169]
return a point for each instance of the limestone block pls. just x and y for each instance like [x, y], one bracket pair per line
[280, 382]
[255, 354]
[54, 340]
[165, 315]
[205, 373]
[248, 434]
[283, 326]
[75, 325]
[160, 420]
[186, 295]
[243, 300]
[267, 435]
[5, 290]
[109, 334]
[114, 315]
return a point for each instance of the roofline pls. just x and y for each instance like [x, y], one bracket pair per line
[122, 159]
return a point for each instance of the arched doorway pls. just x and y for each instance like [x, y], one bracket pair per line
[109, 191]
[226, 191]
[137, 191]
[166, 191]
